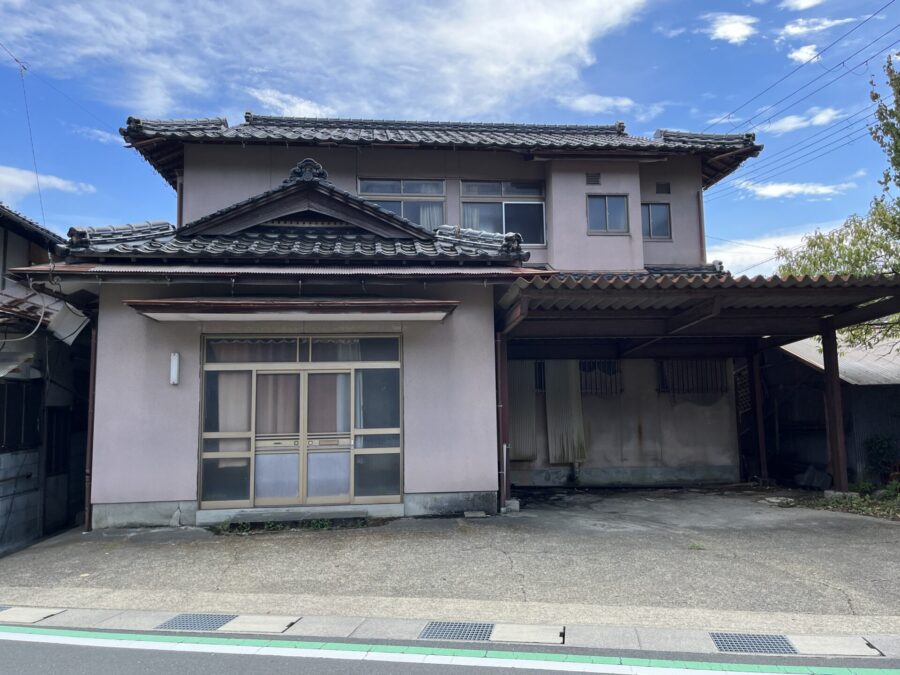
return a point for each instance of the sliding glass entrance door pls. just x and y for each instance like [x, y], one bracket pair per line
[297, 420]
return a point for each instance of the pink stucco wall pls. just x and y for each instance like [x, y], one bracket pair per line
[683, 175]
[146, 434]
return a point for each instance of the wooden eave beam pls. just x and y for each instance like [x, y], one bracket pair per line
[513, 316]
[869, 312]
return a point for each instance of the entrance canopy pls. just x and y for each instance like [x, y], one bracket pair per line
[293, 309]
[671, 315]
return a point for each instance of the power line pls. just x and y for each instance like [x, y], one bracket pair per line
[782, 79]
[731, 190]
[59, 91]
[793, 150]
[741, 243]
[37, 176]
[815, 79]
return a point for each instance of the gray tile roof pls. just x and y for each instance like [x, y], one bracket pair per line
[160, 240]
[27, 228]
[169, 134]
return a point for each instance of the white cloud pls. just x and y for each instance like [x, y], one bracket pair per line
[814, 117]
[801, 27]
[669, 32]
[788, 190]
[595, 104]
[100, 135]
[799, 5]
[732, 28]
[288, 104]
[803, 54]
[17, 183]
[461, 58]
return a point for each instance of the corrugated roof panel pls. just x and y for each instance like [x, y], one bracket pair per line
[857, 365]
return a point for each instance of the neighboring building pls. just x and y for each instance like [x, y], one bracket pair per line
[43, 394]
[795, 414]
[402, 317]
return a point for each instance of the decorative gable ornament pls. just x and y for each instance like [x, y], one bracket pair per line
[306, 170]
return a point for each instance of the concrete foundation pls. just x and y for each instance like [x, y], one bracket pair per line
[207, 517]
[449, 503]
[144, 514]
[624, 476]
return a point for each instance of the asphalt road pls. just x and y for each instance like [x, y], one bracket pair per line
[20, 658]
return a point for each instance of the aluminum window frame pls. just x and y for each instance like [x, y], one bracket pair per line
[650, 205]
[403, 197]
[304, 369]
[607, 233]
[503, 203]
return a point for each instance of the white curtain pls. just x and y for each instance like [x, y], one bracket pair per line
[277, 404]
[431, 215]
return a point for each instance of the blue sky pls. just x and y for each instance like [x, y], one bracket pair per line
[663, 64]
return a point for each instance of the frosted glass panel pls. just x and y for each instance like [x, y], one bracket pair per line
[277, 475]
[328, 474]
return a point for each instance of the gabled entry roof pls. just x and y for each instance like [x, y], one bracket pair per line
[306, 218]
[307, 188]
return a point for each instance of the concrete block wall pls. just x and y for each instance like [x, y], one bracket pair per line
[20, 499]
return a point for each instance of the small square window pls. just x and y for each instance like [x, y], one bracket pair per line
[663, 188]
[607, 213]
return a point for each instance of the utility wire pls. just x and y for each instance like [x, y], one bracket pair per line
[741, 243]
[75, 102]
[783, 78]
[816, 79]
[731, 190]
[37, 176]
[792, 153]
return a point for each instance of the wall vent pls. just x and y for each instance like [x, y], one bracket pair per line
[592, 178]
[663, 188]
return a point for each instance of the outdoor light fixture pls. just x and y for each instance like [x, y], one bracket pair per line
[173, 367]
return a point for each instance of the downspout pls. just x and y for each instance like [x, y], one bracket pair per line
[179, 192]
[502, 420]
[702, 214]
[89, 450]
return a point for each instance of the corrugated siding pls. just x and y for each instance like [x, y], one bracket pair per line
[875, 412]
[565, 423]
[522, 397]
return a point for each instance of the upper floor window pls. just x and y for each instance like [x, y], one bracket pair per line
[656, 221]
[607, 214]
[418, 200]
[505, 206]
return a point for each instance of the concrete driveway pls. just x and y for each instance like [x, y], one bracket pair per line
[712, 560]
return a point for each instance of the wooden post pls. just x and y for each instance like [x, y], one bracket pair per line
[756, 393]
[834, 411]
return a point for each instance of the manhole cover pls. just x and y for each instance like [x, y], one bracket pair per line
[196, 622]
[457, 630]
[750, 643]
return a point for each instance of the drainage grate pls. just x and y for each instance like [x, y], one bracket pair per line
[196, 622]
[457, 630]
[750, 643]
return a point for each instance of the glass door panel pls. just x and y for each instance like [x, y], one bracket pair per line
[328, 475]
[278, 404]
[328, 400]
[277, 476]
[277, 456]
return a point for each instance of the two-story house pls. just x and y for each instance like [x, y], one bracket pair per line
[404, 317]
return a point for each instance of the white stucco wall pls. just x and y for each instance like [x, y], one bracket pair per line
[146, 433]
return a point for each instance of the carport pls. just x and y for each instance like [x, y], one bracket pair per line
[682, 325]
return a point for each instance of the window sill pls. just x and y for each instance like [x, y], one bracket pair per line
[609, 234]
[657, 240]
[532, 247]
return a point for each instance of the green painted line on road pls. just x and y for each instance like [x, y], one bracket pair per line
[442, 651]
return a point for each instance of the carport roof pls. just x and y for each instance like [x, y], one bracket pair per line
[742, 313]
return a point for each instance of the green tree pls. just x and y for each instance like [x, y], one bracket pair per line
[868, 244]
